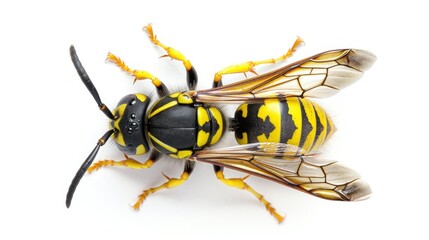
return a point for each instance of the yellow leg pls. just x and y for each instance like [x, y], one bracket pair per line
[127, 162]
[191, 74]
[139, 74]
[171, 183]
[249, 66]
[171, 52]
[239, 183]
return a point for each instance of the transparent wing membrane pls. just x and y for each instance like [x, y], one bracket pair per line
[319, 76]
[285, 164]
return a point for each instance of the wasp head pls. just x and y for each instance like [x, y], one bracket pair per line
[129, 124]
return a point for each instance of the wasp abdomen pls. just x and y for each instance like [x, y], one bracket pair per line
[292, 120]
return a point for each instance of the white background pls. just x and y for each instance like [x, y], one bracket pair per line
[50, 122]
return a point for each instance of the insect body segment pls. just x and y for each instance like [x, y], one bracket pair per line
[178, 126]
[276, 127]
[295, 121]
[129, 124]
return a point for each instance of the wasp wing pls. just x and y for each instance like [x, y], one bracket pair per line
[285, 164]
[319, 76]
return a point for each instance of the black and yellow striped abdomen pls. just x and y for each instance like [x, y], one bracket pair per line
[293, 120]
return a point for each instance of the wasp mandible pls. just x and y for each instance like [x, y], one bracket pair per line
[277, 128]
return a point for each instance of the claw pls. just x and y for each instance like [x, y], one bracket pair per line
[149, 31]
[167, 177]
[253, 71]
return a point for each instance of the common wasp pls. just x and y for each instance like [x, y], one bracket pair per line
[278, 130]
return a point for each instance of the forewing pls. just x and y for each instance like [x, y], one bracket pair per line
[319, 76]
[285, 164]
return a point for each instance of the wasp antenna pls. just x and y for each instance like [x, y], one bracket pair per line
[88, 83]
[85, 166]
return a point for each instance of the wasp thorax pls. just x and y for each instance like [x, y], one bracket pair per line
[178, 125]
[129, 123]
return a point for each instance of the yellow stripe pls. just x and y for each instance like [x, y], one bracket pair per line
[120, 139]
[181, 154]
[175, 95]
[218, 117]
[185, 98]
[333, 128]
[295, 112]
[156, 82]
[167, 147]
[311, 116]
[243, 108]
[119, 111]
[243, 140]
[202, 116]
[140, 149]
[271, 109]
[184, 153]
[202, 138]
[141, 97]
[322, 117]
[164, 107]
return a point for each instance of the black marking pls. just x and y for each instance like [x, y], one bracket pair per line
[319, 127]
[267, 127]
[288, 126]
[206, 127]
[217, 168]
[239, 125]
[189, 166]
[306, 126]
[214, 126]
[191, 78]
[252, 124]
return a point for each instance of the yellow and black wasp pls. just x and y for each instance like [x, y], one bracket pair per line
[277, 128]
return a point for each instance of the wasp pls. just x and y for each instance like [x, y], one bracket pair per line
[278, 129]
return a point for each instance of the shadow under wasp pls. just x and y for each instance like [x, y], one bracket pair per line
[277, 128]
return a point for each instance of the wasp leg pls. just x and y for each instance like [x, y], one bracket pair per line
[191, 74]
[249, 66]
[171, 183]
[139, 74]
[127, 162]
[239, 183]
